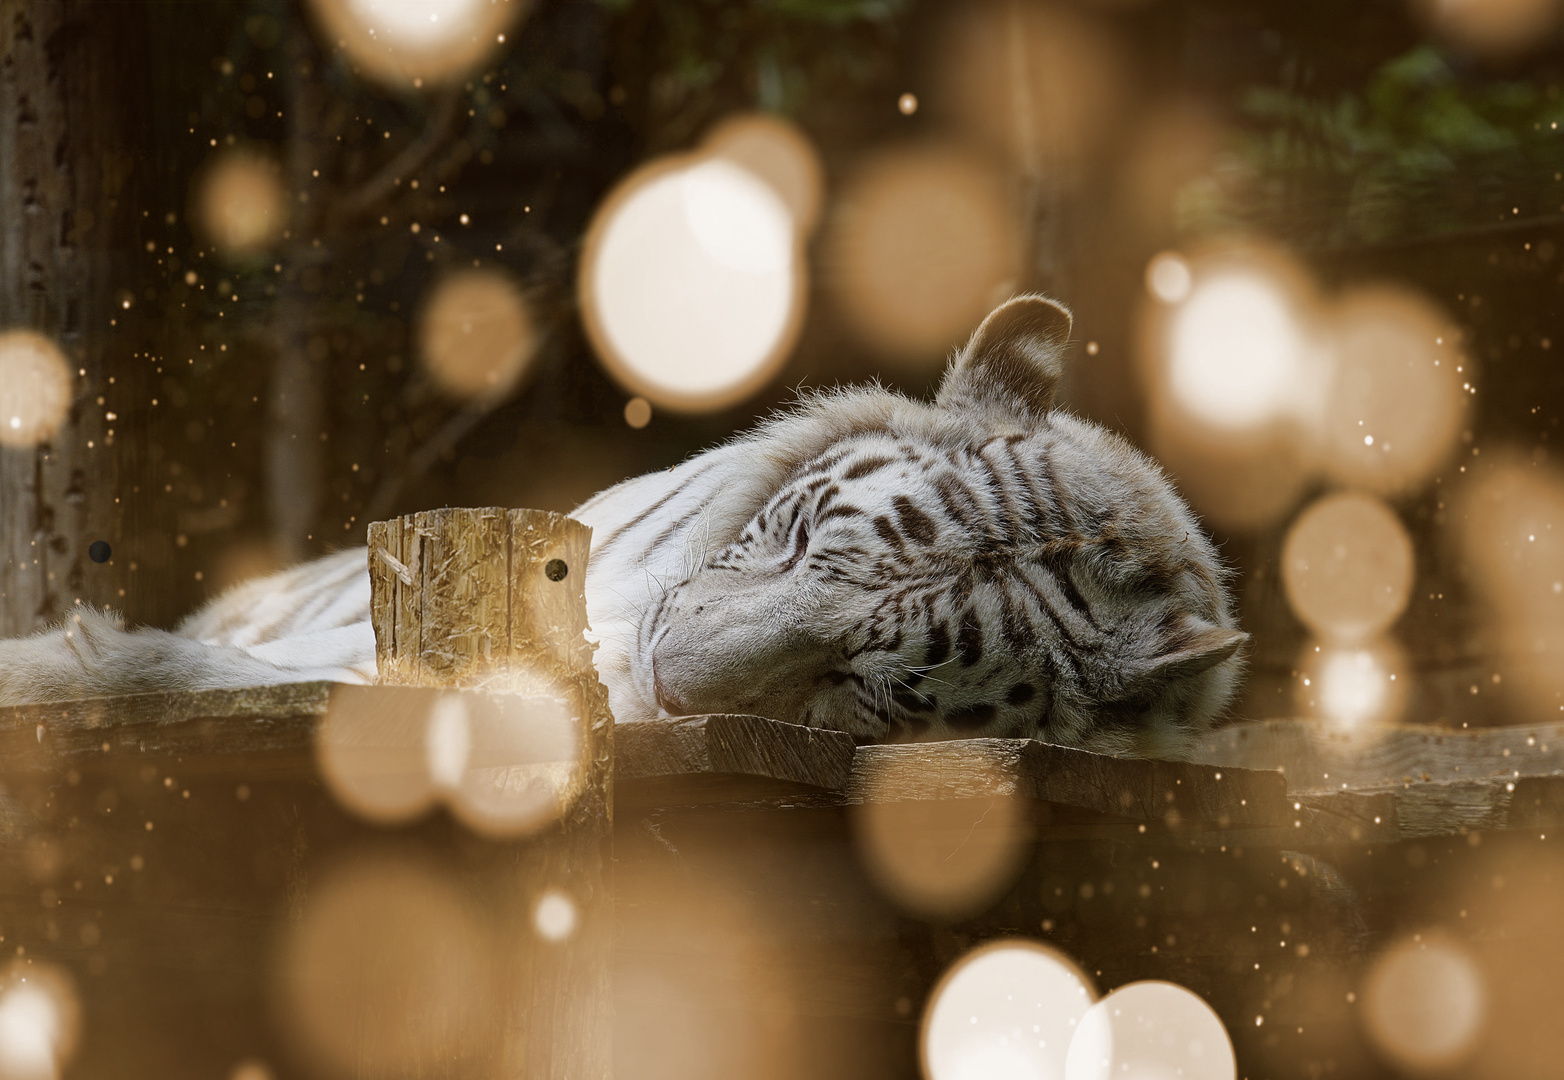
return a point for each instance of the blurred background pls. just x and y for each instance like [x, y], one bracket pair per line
[271, 269]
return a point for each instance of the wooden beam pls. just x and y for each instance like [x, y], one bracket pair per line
[245, 730]
[734, 760]
[1315, 758]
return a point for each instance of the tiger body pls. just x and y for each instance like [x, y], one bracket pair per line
[984, 564]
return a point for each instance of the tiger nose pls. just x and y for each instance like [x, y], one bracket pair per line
[665, 700]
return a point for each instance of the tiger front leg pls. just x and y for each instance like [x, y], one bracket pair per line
[91, 654]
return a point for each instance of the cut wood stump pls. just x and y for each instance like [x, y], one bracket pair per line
[494, 599]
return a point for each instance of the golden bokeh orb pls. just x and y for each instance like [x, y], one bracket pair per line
[240, 204]
[505, 764]
[778, 152]
[692, 285]
[1397, 391]
[1355, 689]
[1151, 1029]
[941, 858]
[35, 388]
[40, 1020]
[387, 972]
[923, 245]
[371, 749]
[1425, 1003]
[1493, 27]
[514, 763]
[1006, 1010]
[638, 412]
[1168, 277]
[1245, 485]
[402, 42]
[1347, 567]
[1237, 350]
[476, 336]
[554, 916]
[1510, 522]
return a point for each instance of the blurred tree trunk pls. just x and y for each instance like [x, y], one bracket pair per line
[73, 93]
[329, 200]
[295, 473]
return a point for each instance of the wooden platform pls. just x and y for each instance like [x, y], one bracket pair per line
[1317, 788]
[154, 845]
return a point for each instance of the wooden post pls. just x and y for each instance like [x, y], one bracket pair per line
[495, 598]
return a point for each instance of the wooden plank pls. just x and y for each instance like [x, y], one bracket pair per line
[1342, 817]
[726, 759]
[1537, 803]
[1175, 794]
[1315, 758]
[734, 744]
[246, 727]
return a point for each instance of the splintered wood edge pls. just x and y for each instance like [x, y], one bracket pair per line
[733, 744]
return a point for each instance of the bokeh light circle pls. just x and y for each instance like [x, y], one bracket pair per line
[704, 989]
[1236, 349]
[778, 153]
[1168, 277]
[638, 412]
[1494, 27]
[476, 335]
[938, 857]
[35, 388]
[40, 1020]
[240, 203]
[1425, 1003]
[525, 764]
[1245, 484]
[1510, 513]
[1006, 1011]
[1356, 689]
[691, 284]
[1347, 567]
[417, 41]
[923, 245]
[506, 764]
[372, 749]
[387, 970]
[554, 916]
[1397, 392]
[1148, 1031]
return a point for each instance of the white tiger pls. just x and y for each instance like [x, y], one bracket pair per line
[982, 565]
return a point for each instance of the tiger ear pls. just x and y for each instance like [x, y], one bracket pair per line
[1189, 647]
[1013, 361]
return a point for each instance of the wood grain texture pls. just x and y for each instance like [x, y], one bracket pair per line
[737, 744]
[74, 186]
[1174, 794]
[258, 729]
[1316, 759]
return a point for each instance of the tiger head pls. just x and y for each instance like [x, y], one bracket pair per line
[983, 565]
